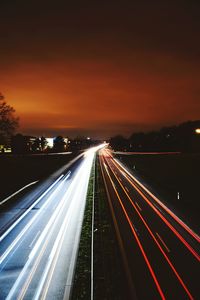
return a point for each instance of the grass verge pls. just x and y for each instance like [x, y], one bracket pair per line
[109, 282]
[82, 277]
[109, 279]
[166, 175]
[19, 170]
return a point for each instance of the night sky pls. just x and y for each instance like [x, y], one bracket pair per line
[100, 67]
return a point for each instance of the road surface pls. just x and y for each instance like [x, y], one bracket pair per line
[38, 248]
[160, 252]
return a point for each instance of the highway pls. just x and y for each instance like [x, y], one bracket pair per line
[38, 247]
[161, 253]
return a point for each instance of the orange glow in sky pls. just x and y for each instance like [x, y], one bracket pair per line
[85, 72]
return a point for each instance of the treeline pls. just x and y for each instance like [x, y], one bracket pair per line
[182, 138]
[22, 144]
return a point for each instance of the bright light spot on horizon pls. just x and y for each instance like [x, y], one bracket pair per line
[197, 130]
[92, 150]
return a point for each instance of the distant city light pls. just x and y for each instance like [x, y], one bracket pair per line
[197, 130]
[88, 138]
[49, 142]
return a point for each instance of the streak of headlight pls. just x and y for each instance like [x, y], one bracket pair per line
[48, 229]
[75, 205]
[27, 211]
[17, 239]
[54, 255]
[46, 232]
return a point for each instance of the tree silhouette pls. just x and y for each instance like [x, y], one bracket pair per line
[39, 144]
[182, 137]
[8, 122]
[59, 144]
[43, 143]
[119, 143]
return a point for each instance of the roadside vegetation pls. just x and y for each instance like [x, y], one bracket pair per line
[82, 278]
[169, 175]
[109, 282]
[109, 278]
[178, 138]
[17, 171]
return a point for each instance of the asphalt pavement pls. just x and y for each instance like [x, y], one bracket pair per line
[39, 242]
[162, 253]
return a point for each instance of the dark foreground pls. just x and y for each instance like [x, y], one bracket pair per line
[161, 254]
[168, 175]
[20, 170]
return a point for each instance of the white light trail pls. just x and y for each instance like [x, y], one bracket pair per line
[27, 211]
[70, 210]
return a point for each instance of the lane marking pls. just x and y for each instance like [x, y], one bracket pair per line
[158, 244]
[27, 210]
[92, 232]
[138, 242]
[31, 244]
[161, 215]
[47, 232]
[162, 242]
[136, 230]
[173, 215]
[119, 237]
[17, 192]
[138, 206]
[15, 241]
[54, 254]
[127, 189]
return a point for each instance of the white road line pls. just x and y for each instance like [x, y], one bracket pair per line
[162, 242]
[27, 211]
[12, 245]
[17, 192]
[174, 216]
[34, 239]
[92, 239]
[49, 227]
[138, 206]
[54, 253]
[135, 228]
[127, 189]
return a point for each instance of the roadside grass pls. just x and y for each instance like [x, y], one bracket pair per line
[18, 171]
[109, 281]
[82, 277]
[167, 175]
